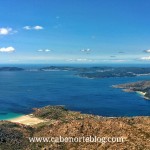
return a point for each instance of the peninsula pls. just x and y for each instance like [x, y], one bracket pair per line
[142, 87]
[101, 72]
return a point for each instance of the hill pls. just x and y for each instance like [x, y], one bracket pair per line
[65, 123]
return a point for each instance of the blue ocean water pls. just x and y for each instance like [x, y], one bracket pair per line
[22, 91]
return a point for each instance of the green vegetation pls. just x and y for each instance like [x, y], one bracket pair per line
[51, 112]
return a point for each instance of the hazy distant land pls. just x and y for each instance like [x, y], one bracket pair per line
[103, 72]
[91, 72]
[11, 69]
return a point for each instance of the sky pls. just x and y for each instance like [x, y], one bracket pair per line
[74, 31]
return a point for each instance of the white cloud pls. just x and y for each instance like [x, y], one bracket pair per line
[147, 51]
[114, 60]
[33, 28]
[40, 50]
[44, 50]
[119, 60]
[80, 60]
[145, 58]
[7, 49]
[86, 50]
[47, 50]
[27, 28]
[5, 31]
[38, 27]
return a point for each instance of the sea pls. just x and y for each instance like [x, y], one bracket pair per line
[22, 91]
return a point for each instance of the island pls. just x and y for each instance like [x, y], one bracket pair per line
[141, 87]
[97, 72]
[11, 69]
[56, 121]
[115, 72]
[101, 72]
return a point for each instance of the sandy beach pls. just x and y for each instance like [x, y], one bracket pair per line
[27, 120]
[141, 93]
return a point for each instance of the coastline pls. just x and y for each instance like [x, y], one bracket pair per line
[142, 94]
[9, 115]
[26, 119]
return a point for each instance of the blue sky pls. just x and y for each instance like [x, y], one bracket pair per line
[74, 31]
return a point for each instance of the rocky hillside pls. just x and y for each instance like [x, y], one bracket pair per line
[65, 123]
